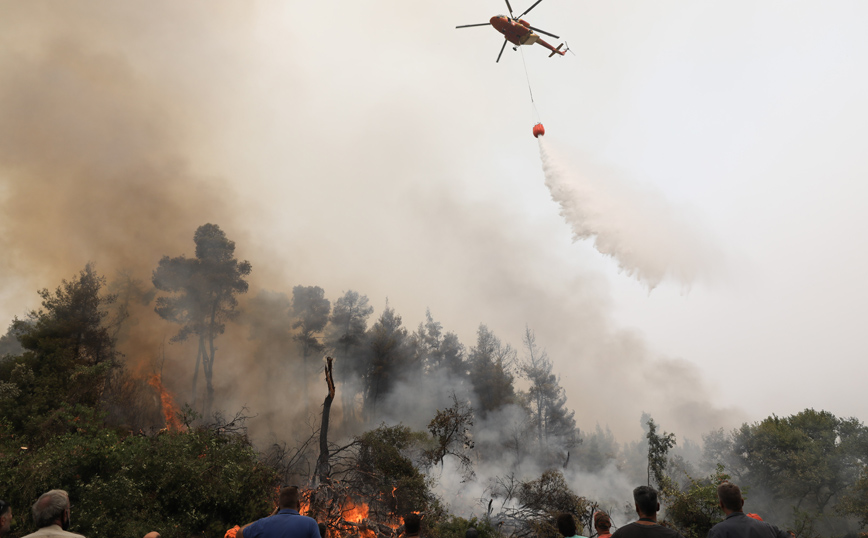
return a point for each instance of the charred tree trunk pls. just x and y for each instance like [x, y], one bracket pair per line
[322, 463]
[199, 355]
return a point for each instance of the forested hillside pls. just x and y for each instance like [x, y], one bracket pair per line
[191, 398]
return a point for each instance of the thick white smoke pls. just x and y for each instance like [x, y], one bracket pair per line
[646, 235]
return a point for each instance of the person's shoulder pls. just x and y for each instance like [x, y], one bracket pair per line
[626, 530]
[669, 531]
[620, 531]
[56, 532]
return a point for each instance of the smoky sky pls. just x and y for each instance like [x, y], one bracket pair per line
[94, 150]
[399, 163]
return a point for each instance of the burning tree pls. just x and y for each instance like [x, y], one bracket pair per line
[204, 291]
[362, 488]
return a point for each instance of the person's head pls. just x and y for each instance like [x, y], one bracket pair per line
[52, 508]
[730, 497]
[289, 498]
[5, 517]
[412, 524]
[322, 530]
[566, 524]
[471, 533]
[646, 501]
[602, 522]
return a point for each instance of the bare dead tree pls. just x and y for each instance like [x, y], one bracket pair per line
[322, 463]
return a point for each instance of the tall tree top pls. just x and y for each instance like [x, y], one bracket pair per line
[205, 286]
[212, 244]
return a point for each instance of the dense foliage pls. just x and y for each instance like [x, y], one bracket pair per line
[72, 416]
[53, 435]
[199, 482]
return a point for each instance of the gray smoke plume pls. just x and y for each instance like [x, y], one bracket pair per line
[109, 114]
[648, 238]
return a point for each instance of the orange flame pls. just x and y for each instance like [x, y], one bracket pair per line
[170, 410]
[355, 512]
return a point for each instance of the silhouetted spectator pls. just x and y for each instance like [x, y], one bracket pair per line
[647, 507]
[5, 518]
[322, 530]
[567, 525]
[471, 533]
[412, 525]
[737, 524]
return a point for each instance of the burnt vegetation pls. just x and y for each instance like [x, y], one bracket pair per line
[91, 402]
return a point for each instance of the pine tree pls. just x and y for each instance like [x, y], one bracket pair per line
[490, 363]
[204, 290]
[554, 423]
[346, 336]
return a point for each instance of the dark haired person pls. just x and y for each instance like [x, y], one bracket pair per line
[737, 524]
[567, 525]
[284, 522]
[412, 525]
[647, 507]
[602, 524]
[5, 518]
[471, 532]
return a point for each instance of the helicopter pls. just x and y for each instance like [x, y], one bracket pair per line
[518, 32]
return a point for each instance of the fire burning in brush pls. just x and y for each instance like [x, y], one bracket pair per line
[167, 402]
[346, 515]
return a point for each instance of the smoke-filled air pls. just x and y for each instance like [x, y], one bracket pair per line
[246, 245]
[648, 238]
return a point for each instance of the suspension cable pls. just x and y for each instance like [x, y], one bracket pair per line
[530, 91]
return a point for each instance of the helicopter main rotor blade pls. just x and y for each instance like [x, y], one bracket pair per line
[509, 7]
[472, 25]
[501, 51]
[544, 32]
[526, 11]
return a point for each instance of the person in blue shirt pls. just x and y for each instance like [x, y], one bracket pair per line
[284, 522]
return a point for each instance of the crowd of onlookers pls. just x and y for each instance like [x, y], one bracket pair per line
[51, 514]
